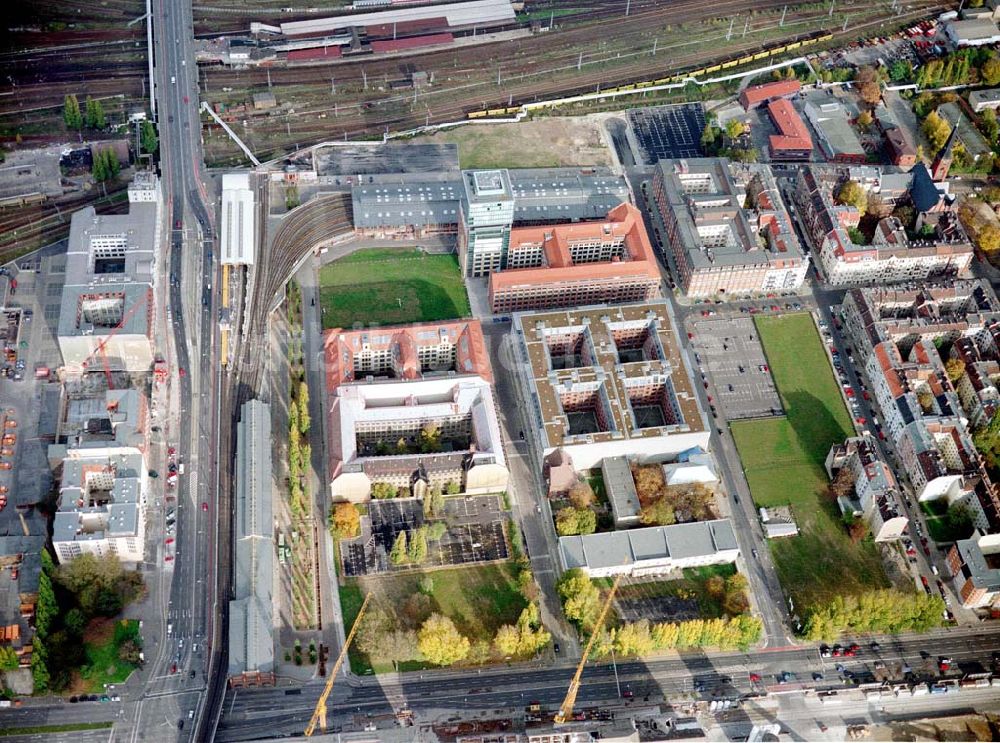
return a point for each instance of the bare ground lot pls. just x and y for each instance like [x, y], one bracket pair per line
[549, 142]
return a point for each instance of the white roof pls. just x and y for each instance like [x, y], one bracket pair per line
[686, 474]
[238, 236]
[458, 14]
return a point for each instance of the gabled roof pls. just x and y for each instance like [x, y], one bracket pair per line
[923, 192]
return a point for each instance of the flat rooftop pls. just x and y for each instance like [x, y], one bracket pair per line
[607, 373]
[707, 197]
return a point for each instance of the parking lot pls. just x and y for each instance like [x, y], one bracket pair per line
[475, 534]
[667, 131]
[732, 362]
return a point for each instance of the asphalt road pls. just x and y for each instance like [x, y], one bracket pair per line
[276, 712]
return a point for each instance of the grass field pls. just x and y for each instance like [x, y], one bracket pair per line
[783, 460]
[389, 286]
[103, 664]
[479, 599]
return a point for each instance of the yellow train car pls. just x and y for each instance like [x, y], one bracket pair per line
[695, 73]
[777, 50]
[745, 60]
[761, 55]
[794, 45]
[730, 63]
[623, 88]
[645, 84]
[495, 111]
[713, 68]
[477, 114]
[663, 81]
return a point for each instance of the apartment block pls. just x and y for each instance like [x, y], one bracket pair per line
[552, 266]
[896, 336]
[935, 246]
[727, 228]
[975, 568]
[102, 503]
[412, 408]
[606, 381]
[876, 494]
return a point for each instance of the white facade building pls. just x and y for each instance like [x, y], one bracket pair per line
[237, 231]
[102, 504]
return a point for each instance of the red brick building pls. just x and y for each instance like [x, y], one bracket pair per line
[792, 142]
[756, 94]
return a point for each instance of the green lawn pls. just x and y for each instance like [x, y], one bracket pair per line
[103, 666]
[479, 599]
[783, 460]
[944, 527]
[390, 286]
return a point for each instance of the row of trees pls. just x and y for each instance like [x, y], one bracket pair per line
[386, 490]
[105, 166]
[92, 117]
[299, 449]
[959, 68]
[885, 611]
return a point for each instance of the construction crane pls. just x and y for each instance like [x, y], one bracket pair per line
[566, 710]
[319, 714]
[102, 344]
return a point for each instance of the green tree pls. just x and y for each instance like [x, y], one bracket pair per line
[507, 640]
[75, 622]
[95, 114]
[383, 490]
[580, 597]
[991, 70]
[634, 639]
[658, 513]
[936, 130]
[398, 553]
[453, 488]
[429, 438]
[375, 625]
[39, 665]
[71, 113]
[418, 546]
[735, 129]
[434, 502]
[852, 194]
[98, 169]
[989, 125]
[147, 136]
[900, 70]
[100, 584]
[436, 530]
[708, 137]
[886, 611]
[8, 658]
[570, 521]
[988, 238]
[426, 585]
[440, 642]
[865, 120]
[46, 608]
[293, 418]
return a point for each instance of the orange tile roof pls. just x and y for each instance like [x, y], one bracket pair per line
[759, 93]
[793, 134]
[403, 342]
[624, 221]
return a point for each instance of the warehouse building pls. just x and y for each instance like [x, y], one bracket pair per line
[832, 123]
[720, 247]
[654, 550]
[421, 204]
[792, 142]
[754, 95]
[974, 32]
[571, 265]
[237, 231]
[606, 381]
[251, 623]
[108, 297]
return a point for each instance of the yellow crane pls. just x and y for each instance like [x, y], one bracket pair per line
[319, 714]
[566, 710]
